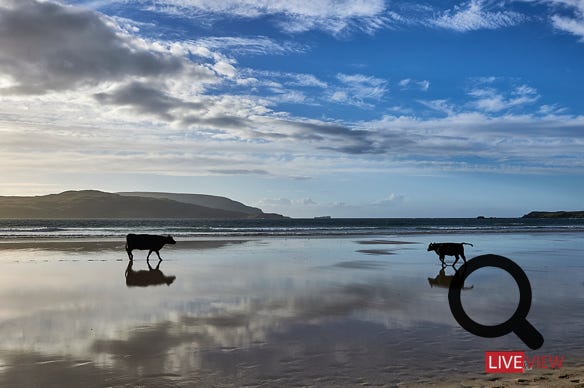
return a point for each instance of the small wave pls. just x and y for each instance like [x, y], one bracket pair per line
[24, 230]
[266, 228]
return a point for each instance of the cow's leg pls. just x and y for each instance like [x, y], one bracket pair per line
[130, 256]
[455, 261]
[463, 258]
[128, 269]
[147, 257]
[158, 254]
[442, 259]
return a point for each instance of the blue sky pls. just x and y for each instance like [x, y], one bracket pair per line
[344, 108]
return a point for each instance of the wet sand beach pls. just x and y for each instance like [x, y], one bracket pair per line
[335, 311]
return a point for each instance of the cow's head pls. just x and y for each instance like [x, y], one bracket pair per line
[432, 246]
[170, 240]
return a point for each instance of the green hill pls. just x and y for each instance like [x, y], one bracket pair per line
[212, 201]
[98, 204]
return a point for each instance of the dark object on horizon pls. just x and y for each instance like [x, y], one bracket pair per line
[480, 217]
[558, 214]
[323, 218]
[151, 242]
[143, 278]
[443, 280]
[449, 249]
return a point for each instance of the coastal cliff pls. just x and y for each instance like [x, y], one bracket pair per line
[557, 214]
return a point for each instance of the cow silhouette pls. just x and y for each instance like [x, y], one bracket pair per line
[150, 242]
[143, 278]
[449, 249]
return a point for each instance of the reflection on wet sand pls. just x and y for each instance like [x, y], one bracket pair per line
[360, 264]
[375, 251]
[442, 280]
[384, 242]
[87, 246]
[143, 278]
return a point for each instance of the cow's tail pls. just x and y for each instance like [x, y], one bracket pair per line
[467, 244]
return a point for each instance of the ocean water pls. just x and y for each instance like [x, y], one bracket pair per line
[288, 227]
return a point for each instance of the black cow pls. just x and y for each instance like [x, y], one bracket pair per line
[151, 242]
[449, 249]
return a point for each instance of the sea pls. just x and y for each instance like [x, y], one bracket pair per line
[190, 228]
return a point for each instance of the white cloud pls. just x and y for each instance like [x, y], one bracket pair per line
[357, 89]
[473, 16]
[224, 68]
[272, 202]
[491, 100]
[340, 96]
[408, 83]
[439, 105]
[424, 85]
[404, 82]
[307, 80]
[391, 200]
[292, 96]
[574, 23]
[259, 45]
[307, 202]
[287, 78]
[295, 16]
[551, 109]
[574, 26]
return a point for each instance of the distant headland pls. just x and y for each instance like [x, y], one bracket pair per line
[557, 214]
[93, 204]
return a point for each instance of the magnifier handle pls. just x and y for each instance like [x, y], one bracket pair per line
[529, 334]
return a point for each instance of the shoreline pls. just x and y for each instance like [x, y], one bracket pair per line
[260, 235]
[567, 376]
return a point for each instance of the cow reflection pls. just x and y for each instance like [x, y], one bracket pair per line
[143, 278]
[443, 280]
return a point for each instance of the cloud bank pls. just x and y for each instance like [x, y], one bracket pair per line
[81, 93]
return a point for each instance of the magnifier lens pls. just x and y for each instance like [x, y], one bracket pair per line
[517, 323]
[493, 298]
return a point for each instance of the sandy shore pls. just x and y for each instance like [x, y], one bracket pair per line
[272, 312]
[570, 376]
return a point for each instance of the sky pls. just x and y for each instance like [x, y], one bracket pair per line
[364, 108]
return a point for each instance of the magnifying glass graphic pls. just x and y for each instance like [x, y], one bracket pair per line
[517, 323]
